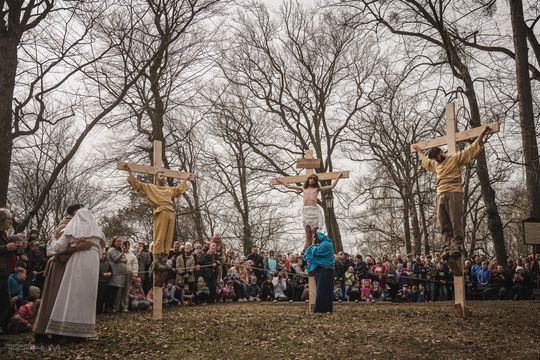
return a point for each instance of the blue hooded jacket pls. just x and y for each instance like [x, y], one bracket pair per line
[320, 254]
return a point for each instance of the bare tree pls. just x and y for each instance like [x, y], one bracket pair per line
[308, 73]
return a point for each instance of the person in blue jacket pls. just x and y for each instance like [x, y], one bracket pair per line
[320, 259]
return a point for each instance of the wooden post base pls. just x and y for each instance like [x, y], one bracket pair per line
[456, 265]
[312, 285]
[159, 278]
[157, 312]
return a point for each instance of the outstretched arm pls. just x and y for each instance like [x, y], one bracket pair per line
[419, 151]
[292, 187]
[483, 133]
[333, 185]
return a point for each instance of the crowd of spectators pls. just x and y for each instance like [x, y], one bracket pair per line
[205, 273]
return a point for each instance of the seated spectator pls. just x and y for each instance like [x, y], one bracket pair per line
[497, 287]
[169, 298]
[519, 291]
[188, 298]
[413, 294]
[228, 292]
[267, 290]
[423, 295]
[24, 317]
[353, 292]
[16, 285]
[219, 291]
[348, 279]
[253, 290]
[280, 286]
[376, 292]
[137, 299]
[403, 294]
[202, 295]
[338, 292]
[484, 275]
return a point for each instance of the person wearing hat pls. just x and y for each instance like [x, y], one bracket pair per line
[320, 259]
[449, 189]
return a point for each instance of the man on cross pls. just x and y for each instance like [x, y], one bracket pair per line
[313, 218]
[160, 196]
[449, 189]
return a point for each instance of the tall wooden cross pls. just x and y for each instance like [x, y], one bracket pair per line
[309, 163]
[451, 138]
[157, 165]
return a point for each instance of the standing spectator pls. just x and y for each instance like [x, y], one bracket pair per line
[220, 253]
[185, 267]
[144, 258]
[118, 261]
[442, 277]
[258, 264]
[36, 264]
[270, 264]
[7, 264]
[131, 271]
[348, 279]
[105, 273]
[211, 269]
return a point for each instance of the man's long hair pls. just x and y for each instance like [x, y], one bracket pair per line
[317, 185]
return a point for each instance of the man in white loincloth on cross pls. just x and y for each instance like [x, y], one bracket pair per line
[313, 217]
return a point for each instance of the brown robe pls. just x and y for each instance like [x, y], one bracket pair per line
[53, 273]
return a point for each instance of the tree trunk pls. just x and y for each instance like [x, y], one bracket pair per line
[417, 239]
[407, 226]
[8, 69]
[333, 228]
[526, 115]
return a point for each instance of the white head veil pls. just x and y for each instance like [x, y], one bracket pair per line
[83, 224]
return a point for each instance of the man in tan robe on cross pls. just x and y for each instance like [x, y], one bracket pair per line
[160, 196]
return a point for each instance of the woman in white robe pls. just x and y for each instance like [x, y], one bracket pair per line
[74, 312]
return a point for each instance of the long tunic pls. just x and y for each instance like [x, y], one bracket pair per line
[74, 312]
[161, 200]
[449, 171]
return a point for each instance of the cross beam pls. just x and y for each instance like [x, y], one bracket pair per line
[451, 138]
[309, 163]
[157, 166]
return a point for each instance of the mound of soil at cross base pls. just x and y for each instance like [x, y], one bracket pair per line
[495, 330]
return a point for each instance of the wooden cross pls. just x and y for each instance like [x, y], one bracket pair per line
[309, 163]
[451, 138]
[157, 166]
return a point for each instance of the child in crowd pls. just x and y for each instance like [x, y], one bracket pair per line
[253, 290]
[220, 291]
[403, 294]
[267, 290]
[348, 279]
[24, 317]
[365, 292]
[376, 292]
[353, 292]
[169, 300]
[228, 292]
[202, 294]
[188, 296]
[338, 292]
[422, 295]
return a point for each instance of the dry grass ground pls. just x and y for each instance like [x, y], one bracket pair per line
[496, 330]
